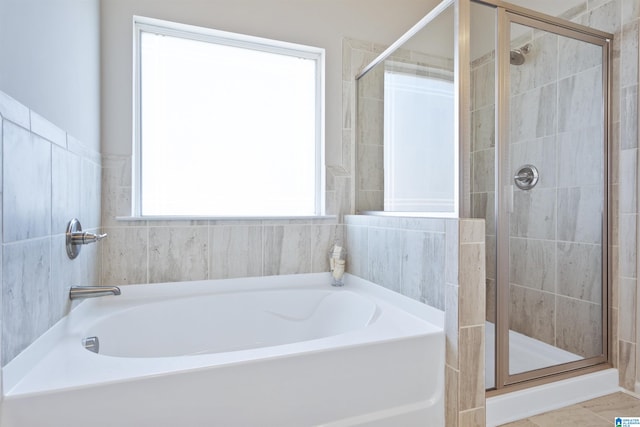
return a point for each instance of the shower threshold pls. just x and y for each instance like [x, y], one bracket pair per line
[525, 354]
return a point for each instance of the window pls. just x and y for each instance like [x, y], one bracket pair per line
[419, 155]
[226, 124]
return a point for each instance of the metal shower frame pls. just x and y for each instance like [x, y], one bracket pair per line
[506, 14]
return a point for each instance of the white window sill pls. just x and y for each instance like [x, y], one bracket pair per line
[224, 218]
[411, 214]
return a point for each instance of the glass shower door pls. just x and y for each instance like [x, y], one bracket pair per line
[552, 247]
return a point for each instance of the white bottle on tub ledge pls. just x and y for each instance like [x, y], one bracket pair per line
[337, 260]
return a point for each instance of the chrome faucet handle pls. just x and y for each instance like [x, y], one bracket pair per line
[84, 238]
[77, 237]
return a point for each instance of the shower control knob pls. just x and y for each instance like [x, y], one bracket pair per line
[526, 178]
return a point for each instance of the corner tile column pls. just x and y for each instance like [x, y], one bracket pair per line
[464, 323]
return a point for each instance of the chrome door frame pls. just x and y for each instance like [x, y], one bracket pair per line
[506, 15]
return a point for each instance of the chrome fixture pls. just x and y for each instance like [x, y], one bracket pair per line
[91, 344]
[76, 237]
[527, 177]
[82, 292]
[516, 56]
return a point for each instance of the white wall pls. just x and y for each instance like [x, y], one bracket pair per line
[51, 62]
[321, 23]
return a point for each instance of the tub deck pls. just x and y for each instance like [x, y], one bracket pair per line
[389, 371]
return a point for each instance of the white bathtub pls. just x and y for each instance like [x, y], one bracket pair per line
[270, 351]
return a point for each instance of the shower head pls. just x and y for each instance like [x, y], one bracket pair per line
[516, 56]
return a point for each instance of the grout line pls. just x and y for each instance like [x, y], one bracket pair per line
[553, 293]
[262, 243]
[209, 245]
[147, 250]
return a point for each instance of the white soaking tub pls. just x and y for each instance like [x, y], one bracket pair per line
[269, 351]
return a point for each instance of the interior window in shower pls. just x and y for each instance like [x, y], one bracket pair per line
[417, 119]
[407, 155]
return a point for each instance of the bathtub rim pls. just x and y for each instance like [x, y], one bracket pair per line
[27, 361]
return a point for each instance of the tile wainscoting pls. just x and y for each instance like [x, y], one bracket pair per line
[440, 262]
[48, 178]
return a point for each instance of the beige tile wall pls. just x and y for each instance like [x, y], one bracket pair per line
[167, 251]
[555, 230]
[449, 276]
[620, 17]
[624, 188]
[452, 268]
[406, 255]
[465, 323]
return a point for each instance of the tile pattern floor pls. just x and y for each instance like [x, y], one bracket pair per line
[599, 412]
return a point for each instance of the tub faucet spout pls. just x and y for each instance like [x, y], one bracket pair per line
[82, 292]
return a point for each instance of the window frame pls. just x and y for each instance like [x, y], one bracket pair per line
[151, 25]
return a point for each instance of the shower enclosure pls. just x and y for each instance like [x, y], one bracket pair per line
[487, 109]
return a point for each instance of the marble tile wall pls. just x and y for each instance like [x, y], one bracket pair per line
[483, 166]
[6, 104]
[48, 178]
[436, 261]
[440, 263]
[464, 322]
[155, 252]
[140, 251]
[558, 223]
[620, 17]
[151, 251]
[578, 233]
[369, 189]
[402, 254]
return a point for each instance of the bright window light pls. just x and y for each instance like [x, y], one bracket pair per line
[419, 154]
[228, 125]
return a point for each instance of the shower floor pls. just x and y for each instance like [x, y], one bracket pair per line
[525, 354]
